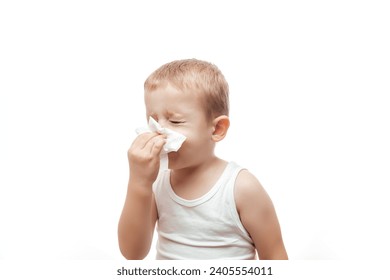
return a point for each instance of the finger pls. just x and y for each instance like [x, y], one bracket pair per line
[157, 145]
[142, 139]
[152, 141]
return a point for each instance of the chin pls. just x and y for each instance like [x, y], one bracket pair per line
[172, 160]
[177, 161]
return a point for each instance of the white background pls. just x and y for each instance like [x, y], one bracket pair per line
[309, 115]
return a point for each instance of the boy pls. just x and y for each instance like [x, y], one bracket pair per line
[204, 207]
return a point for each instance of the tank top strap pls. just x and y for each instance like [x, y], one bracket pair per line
[230, 198]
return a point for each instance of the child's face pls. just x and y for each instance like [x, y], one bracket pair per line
[182, 112]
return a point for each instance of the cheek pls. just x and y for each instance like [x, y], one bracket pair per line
[193, 139]
[189, 146]
[195, 145]
[197, 139]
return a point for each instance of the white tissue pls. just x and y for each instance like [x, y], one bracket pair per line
[172, 143]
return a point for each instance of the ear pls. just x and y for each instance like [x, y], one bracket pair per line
[220, 125]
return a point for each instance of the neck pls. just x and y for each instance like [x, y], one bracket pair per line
[197, 171]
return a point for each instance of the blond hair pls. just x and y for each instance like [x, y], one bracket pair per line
[200, 77]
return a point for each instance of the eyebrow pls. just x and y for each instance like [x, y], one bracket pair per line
[169, 113]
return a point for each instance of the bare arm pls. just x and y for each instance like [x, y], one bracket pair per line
[259, 218]
[139, 214]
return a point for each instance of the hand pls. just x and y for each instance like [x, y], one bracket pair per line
[144, 157]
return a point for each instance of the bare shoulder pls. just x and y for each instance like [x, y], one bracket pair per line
[249, 193]
[258, 216]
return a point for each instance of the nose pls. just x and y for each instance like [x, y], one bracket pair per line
[165, 122]
[161, 122]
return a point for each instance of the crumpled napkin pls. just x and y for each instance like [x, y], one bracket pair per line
[172, 144]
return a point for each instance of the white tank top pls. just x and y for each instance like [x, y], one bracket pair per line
[208, 227]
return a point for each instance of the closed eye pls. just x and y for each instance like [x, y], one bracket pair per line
[176, 122]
